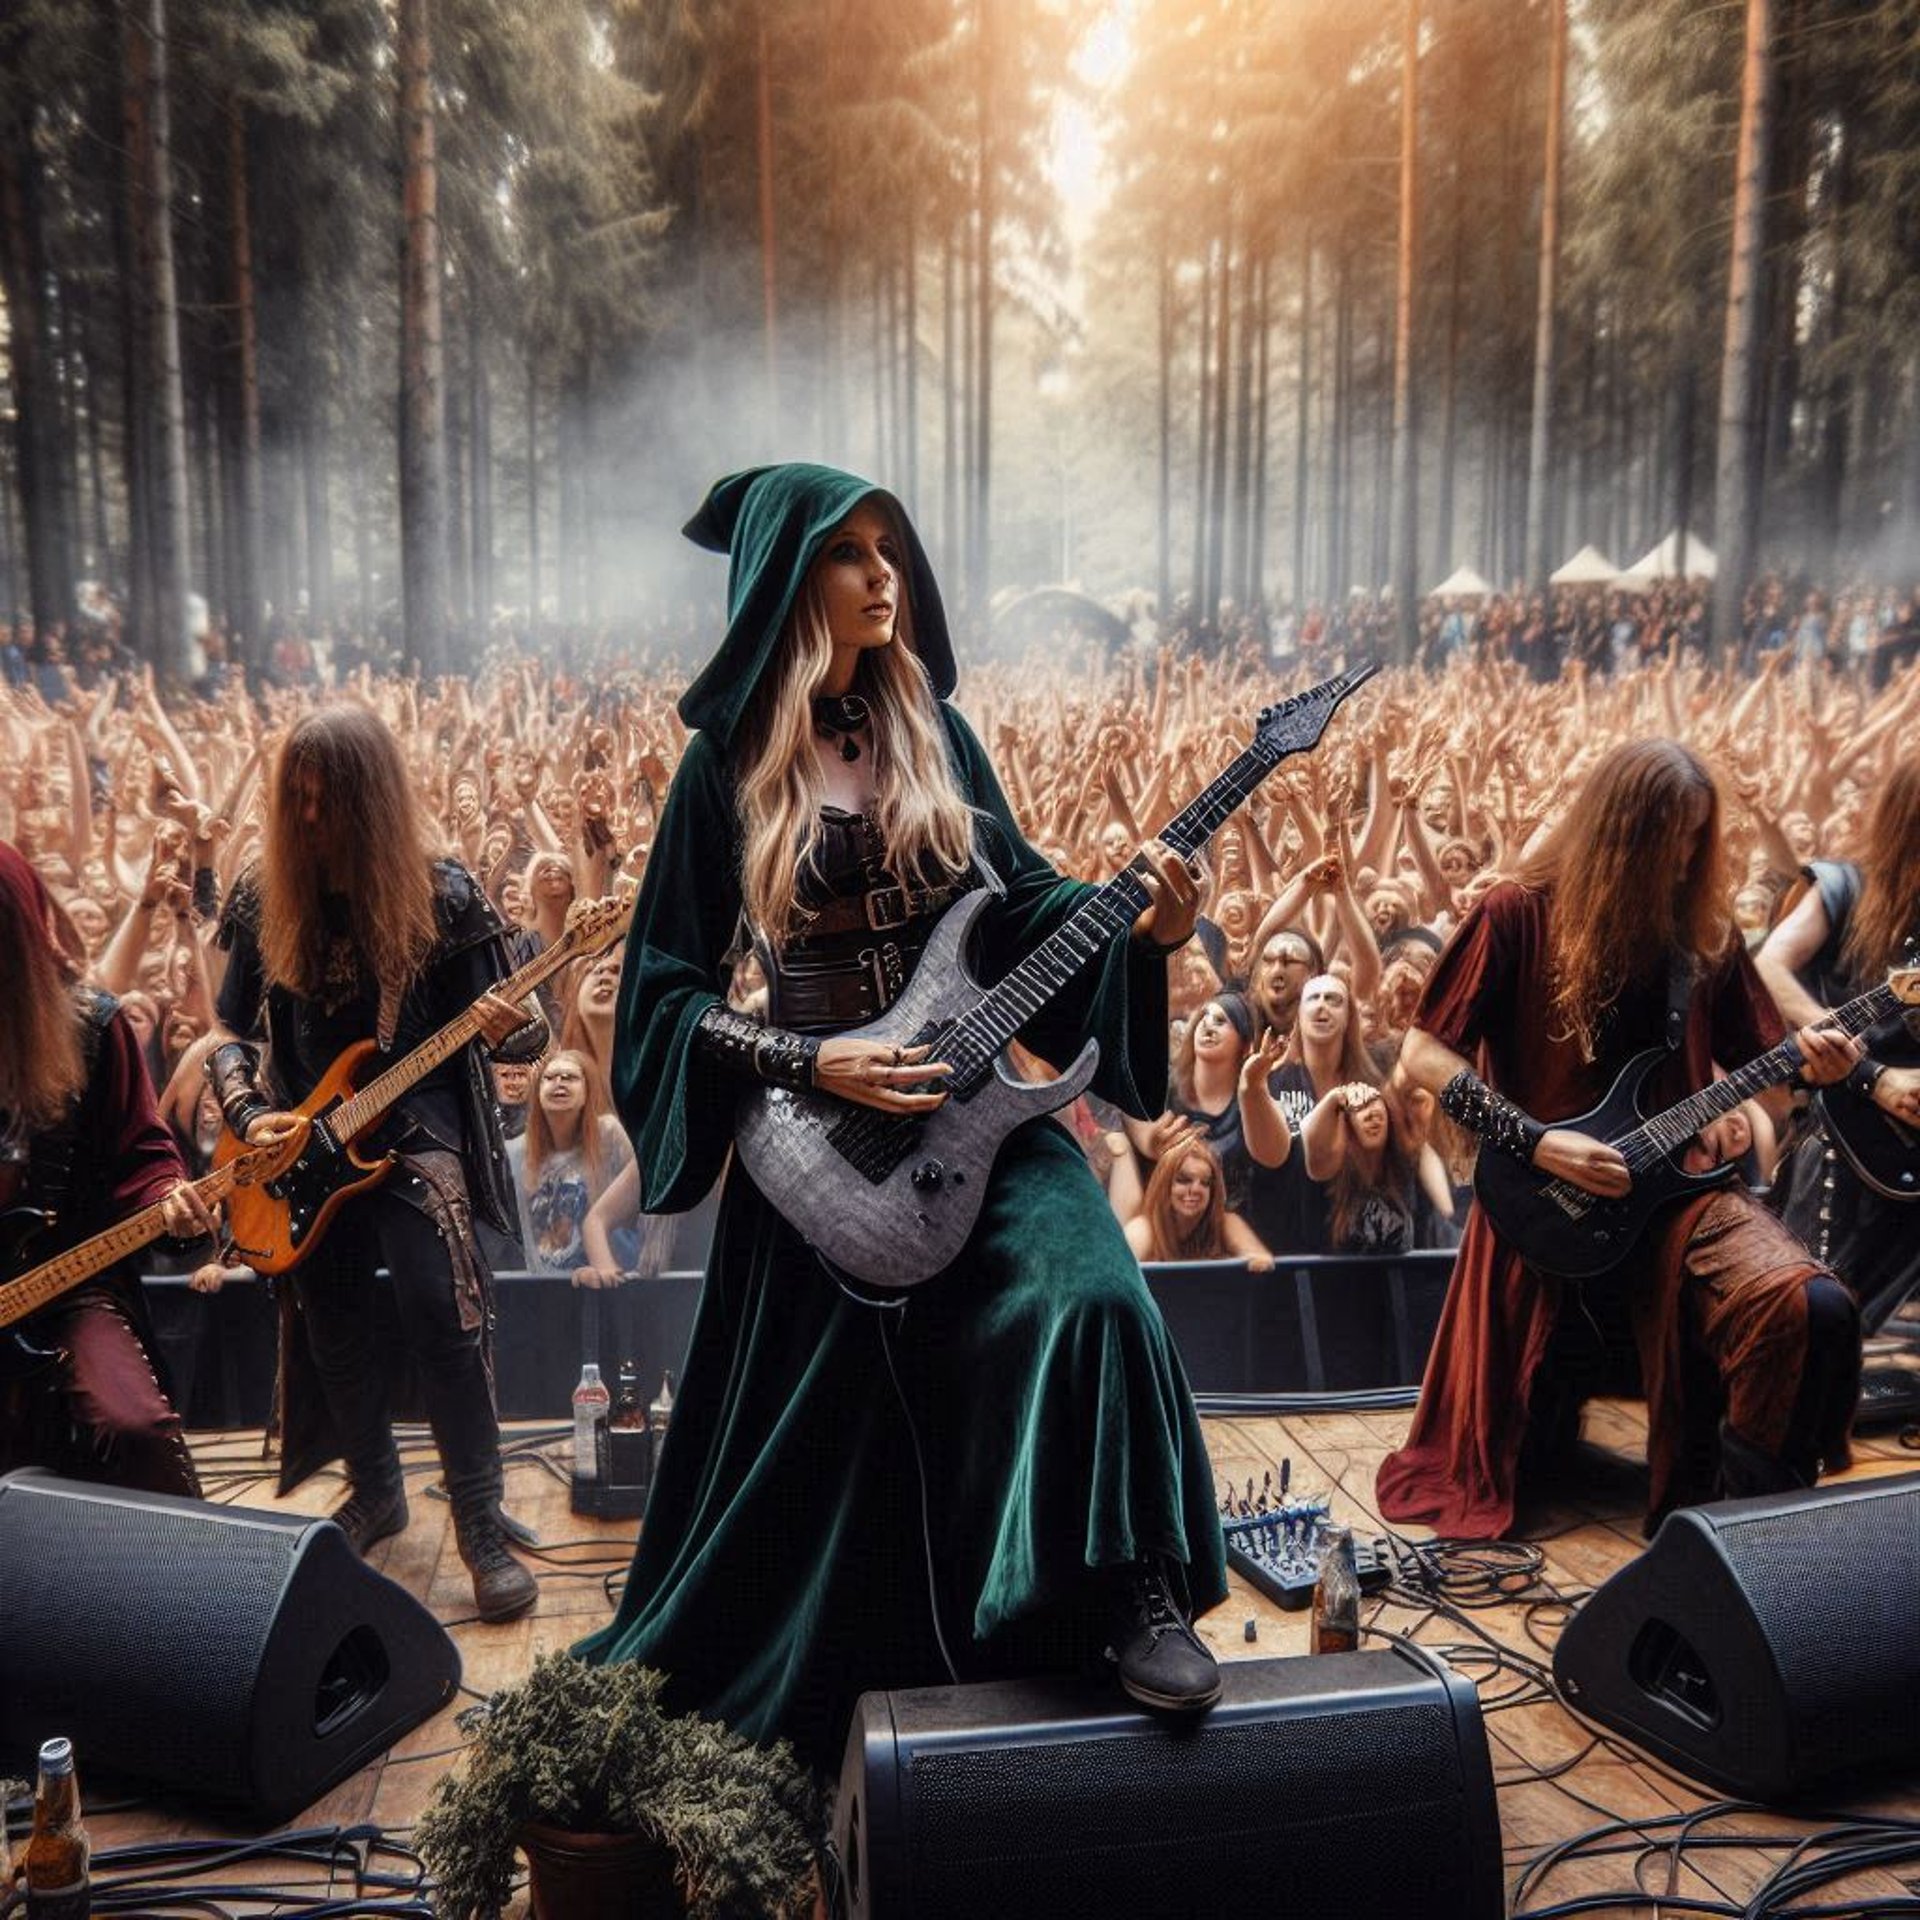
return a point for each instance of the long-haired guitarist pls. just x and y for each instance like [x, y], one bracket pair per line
[348, 931]
[1007, 1471]
[81, 1146]
[1616, 938]
[1853, 921]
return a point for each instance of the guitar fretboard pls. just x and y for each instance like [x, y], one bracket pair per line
[1674, 1126]
[47, 1282]
[354, 1115]
[1109, 912]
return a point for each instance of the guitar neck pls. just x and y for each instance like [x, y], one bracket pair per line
[354, 1115]
[1676, 1125]
[46, 1283]
[1104, 916]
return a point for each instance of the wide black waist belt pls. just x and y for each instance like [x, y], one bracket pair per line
[827, 993]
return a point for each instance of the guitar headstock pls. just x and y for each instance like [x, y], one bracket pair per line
[593, 924]
[1294, 726]
[1904, 984]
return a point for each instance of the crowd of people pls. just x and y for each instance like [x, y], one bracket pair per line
[1500, 877]
[1328, 897]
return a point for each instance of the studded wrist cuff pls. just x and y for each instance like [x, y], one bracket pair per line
[1469, 1102]
[230, 1073]
[1865, 1077]
[772, 1054]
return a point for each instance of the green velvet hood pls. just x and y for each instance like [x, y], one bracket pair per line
[771, 522]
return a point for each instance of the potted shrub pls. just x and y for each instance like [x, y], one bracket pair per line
[620, 1807]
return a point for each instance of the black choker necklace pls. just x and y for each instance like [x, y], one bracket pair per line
[839, 716]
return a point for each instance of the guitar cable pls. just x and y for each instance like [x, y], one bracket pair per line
[885, 1317]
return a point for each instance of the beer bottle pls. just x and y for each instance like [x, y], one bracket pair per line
[58, 1851]
[1336, 1595]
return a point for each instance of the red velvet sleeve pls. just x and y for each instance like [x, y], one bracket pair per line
[1473, 976]
[1746, 1023]
[137, 1153]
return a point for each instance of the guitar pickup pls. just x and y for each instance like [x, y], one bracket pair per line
[873, 1143]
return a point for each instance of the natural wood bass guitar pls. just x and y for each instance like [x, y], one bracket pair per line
[1561, 1228]
[275, 1224]
[27, 1293]
[889, 1199]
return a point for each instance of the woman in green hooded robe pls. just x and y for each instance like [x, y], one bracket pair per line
[1007, 1473]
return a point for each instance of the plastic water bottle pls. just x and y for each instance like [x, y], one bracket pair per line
[591, 1402]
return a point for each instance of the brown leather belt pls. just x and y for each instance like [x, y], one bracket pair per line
[878, 910]
[827, 993]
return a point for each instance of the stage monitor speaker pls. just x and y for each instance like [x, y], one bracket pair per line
[242, 1657]
[1762, 1646]
[1354, 1784]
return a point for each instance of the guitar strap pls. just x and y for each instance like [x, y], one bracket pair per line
[50, 1160]
[1679, 999]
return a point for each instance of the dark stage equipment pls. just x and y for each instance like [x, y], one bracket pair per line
[1763, 1646]
[1354, 1784]
[247, 1658]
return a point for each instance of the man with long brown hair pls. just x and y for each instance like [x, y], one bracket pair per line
[1852, 923]
[349, 930]
[1615, 938]
[82, 1146]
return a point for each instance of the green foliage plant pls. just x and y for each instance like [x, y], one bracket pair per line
[590, 1750]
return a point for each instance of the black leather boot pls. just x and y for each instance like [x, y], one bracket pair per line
[1158, 1658]
[502, 1588]
[370, 1514]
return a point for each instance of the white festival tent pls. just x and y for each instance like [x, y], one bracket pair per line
[1663, 562]
[1461, 584]
[1588, 568]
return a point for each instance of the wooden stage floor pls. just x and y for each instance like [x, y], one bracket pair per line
[1532, 1737]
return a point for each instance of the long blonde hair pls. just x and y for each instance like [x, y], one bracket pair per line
[921, 811]
[371, 811]
[594, 1109]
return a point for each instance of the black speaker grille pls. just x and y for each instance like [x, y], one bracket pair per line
[1835, 1587]
[1285, 1812]
[187, 1605]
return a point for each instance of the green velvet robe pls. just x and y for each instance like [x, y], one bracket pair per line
[785, 1563]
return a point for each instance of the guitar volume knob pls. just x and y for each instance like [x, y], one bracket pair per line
[927, 1176]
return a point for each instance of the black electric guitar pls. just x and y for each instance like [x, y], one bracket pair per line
[276, 1223]
[1883, 1151]
[1561, 1228]
[889, 1199]
[26, 1292]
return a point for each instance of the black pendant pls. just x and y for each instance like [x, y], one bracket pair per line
[839, 717]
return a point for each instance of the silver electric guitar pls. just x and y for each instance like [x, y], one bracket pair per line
[888, 1200]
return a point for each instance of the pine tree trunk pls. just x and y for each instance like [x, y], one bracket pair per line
[1734, 491]
[1446, 479]
[1217, 508]
[1406, 463]
[1539, 561]
[245, 497]
[1336, 428]
[1302, 452]
[1239, 499]
[1163, 498]
[910, 352]
[480, 484]
[1202, 447]
[1837, 400]
[1262, 438]
[980, 573]
[533, 489]
[166, 642]
[36, 405]
[769, 284]
[423, 479]
[949, 412]
[316, 443]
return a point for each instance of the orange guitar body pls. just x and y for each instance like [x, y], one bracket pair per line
[275, 1224]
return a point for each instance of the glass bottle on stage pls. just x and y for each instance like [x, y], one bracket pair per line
[591, 1404]
[58, 1855]
[1336, 1595]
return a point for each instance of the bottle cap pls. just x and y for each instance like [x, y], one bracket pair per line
[56, 1755]
[590, 1374]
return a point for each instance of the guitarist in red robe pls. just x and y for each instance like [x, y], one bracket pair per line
[80, 1140]
[347, 929]
[1615, 938]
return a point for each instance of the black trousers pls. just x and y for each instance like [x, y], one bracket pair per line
[388, 1228]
